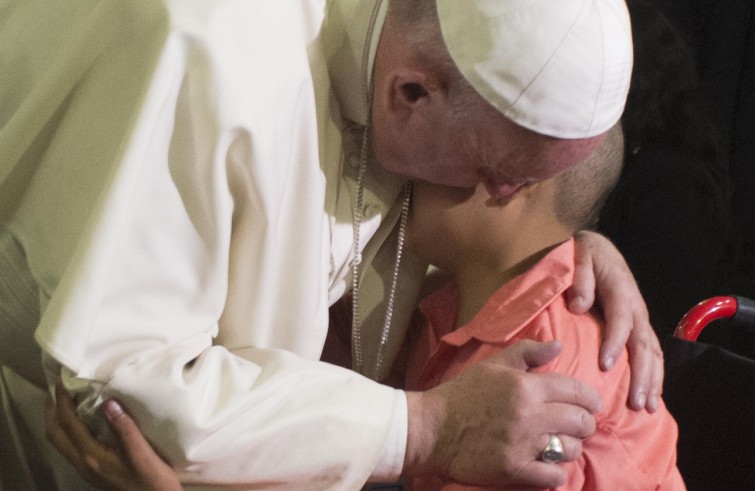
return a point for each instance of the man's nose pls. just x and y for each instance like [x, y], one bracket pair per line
[499, 189]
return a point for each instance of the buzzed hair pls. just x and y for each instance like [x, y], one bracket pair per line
[582, 190]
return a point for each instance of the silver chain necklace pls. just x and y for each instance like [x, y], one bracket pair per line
[356, 333]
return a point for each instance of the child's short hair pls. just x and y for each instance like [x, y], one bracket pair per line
[582, 190]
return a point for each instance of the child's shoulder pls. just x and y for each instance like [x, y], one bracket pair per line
[580, 337]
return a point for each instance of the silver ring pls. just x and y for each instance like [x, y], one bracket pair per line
[553, 453]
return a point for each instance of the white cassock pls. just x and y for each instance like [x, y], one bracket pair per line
[180, 176]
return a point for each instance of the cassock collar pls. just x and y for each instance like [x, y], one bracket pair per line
[350, 39]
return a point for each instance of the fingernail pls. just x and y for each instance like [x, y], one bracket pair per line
[653, 404]
[641, 398]
[608, 361]
[113, 409]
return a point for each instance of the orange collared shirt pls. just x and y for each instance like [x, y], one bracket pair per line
[630, 450]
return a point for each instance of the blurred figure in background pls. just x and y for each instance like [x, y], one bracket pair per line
[669, 213]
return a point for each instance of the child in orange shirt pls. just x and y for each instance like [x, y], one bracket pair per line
[511, 263]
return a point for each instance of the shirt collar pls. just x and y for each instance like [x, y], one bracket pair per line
[350, 39]
[510, 308]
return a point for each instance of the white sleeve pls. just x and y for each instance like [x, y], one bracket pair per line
[391, 463]
[173, 214]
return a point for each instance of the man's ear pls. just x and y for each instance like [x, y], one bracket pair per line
[412, 93]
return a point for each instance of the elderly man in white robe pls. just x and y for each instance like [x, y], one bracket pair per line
[188, 185]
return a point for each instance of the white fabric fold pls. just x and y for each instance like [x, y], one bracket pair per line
[171, 179]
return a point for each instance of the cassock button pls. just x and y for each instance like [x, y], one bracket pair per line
[370, 210]
[354, 160]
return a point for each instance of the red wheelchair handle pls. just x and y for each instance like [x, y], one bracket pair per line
[702, 314]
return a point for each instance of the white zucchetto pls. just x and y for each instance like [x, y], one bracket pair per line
[558, 67]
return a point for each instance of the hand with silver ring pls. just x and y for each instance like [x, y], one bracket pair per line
[553, 453]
